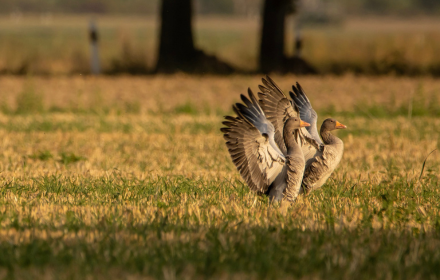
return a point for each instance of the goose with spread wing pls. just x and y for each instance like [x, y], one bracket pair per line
[250, 139]
[321, 156]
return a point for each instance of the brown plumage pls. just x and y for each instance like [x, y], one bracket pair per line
[321, 166]
[250, 138]
[321, 156]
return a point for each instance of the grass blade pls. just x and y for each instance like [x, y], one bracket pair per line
[424, 162]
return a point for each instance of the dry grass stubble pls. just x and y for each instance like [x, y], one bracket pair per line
[155, 189]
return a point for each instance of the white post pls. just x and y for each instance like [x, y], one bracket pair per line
[94, 55]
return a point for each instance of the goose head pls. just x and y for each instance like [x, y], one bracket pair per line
[331, 124]
[294, 123]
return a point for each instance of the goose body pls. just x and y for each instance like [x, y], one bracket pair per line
[250, 138]
[319, 168]
[321, 156]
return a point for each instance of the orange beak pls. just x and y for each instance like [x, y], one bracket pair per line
[303, 124]
[340, 125]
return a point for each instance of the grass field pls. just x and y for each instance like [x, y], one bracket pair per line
[58, 44]
[129, 178]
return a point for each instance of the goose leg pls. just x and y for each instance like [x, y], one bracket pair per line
[276, 193]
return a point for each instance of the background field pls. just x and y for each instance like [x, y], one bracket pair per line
[58, 44]
[129, 178]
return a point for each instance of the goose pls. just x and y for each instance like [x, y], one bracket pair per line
[321, 156]
[251, 144]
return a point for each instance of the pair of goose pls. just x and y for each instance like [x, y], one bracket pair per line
[275, 145]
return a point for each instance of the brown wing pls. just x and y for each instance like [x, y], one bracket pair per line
[278, 108]
[256, 160]
[306, 112]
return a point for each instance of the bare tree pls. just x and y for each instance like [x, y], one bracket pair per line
[272, 56]
[272, 35]
[176, 50]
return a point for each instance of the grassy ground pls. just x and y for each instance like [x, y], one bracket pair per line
[59, 44]
[129, 178]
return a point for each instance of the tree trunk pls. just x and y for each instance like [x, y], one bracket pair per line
[272, 35]
[176, 49]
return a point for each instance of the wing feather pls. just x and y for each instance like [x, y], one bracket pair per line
[306, 111]
[278, 108]
[250, 141]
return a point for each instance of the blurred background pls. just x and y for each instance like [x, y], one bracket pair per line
[112, 162]
[374, 37]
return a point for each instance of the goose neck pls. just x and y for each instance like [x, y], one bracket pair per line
[329, 138]
[290, 140]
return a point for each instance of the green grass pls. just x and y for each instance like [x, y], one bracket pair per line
[110, 193]
[42, 155]
[417, 106]
[146, 227]
[206, 124]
